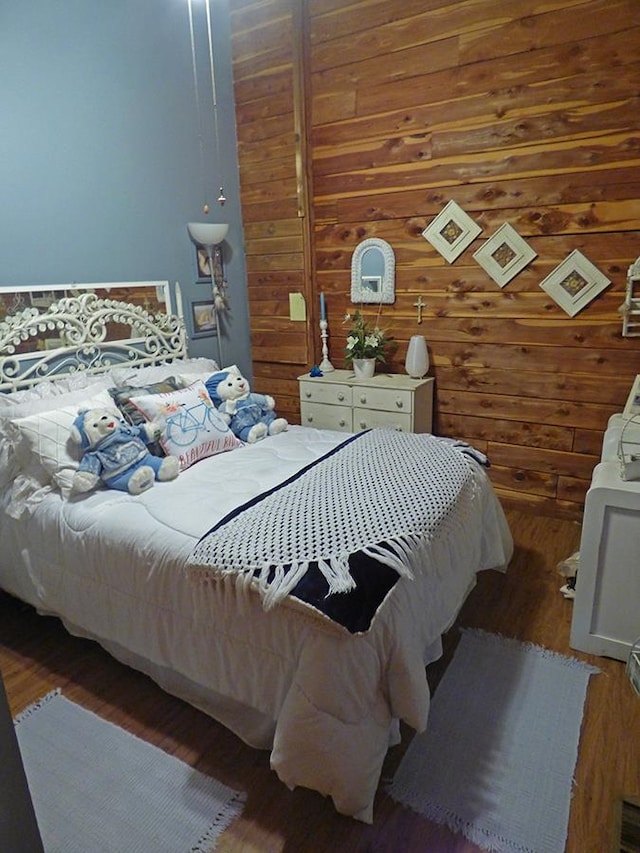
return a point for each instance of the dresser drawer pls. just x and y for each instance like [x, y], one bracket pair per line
[370, 418]
[384, 399]
[326, 416]
[325, 392]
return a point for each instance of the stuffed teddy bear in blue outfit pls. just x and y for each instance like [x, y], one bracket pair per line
[116, 453]
[250, 416]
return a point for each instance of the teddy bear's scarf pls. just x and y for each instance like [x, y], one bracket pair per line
[381, 492]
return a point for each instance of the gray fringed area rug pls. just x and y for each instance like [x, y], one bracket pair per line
[496, 762]
[98, 789]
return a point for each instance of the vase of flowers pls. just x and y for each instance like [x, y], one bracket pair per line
[365, 345]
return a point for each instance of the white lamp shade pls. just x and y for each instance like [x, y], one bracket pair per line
[207, 233]
[417, 361]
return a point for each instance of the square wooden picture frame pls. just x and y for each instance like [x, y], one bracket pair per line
[574, 283]
[451, 231]
[504, 254]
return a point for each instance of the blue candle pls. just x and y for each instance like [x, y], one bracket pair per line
[323, 308]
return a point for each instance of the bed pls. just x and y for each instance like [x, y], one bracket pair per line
[320, 678]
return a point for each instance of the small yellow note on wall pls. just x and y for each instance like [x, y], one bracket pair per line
[297, 307]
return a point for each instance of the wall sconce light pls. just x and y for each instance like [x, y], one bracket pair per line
[207, 234]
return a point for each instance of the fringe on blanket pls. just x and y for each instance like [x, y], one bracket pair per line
[274, 583]
[419, 488]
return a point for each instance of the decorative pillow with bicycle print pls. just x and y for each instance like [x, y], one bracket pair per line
[191, 426]
[132, 414]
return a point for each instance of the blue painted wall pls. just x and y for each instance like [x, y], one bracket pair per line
[102, 162]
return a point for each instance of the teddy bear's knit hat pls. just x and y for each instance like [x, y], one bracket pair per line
[211, 384]
[80, 435]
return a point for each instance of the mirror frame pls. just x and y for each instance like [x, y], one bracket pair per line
[387, 293]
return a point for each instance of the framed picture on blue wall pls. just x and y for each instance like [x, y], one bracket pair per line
[203, 318]
[202, 260]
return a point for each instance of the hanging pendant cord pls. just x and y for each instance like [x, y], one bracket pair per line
[214, 99]
[196, 90]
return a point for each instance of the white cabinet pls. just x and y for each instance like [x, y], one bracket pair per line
[339, 401]
[606, 608]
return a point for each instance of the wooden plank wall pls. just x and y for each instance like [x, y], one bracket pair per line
[275, 202]
[523, 111]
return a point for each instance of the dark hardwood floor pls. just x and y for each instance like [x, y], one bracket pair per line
[37, 655]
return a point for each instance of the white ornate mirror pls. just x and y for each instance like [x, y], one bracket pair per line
[373, 272]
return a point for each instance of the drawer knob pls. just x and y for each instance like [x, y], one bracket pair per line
[342, 422]
[341, 396]
[309, 419]
[363, 424]
[363, 399]
[308, 394]
[399, 404]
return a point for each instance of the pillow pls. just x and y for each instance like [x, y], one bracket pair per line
[43, 447]
[11, 408]
[189, 378]
[16, 406]
[132, 414]
[48, 388]
[191, 426]
[141, 376]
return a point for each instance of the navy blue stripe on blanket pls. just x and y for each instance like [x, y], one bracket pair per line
[355, 609]
[255, 500]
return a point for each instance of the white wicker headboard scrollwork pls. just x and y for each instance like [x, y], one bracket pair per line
[64, 329]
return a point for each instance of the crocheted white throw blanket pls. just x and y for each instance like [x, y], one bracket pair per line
[382, 492]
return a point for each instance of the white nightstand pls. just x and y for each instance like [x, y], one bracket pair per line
[339, 401]
[606, 608]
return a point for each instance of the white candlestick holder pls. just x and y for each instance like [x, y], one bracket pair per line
[325, 364]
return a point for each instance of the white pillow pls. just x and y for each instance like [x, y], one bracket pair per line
[13, 406]
[138, 376]
[191, 426]
[46, 388]
[42, 442]
[189, 378]
[10, 407]
[54, 388]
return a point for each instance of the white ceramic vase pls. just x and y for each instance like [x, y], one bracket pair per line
[417, 361]
[364, 368]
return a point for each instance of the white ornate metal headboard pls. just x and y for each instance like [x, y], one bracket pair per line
[84, 329]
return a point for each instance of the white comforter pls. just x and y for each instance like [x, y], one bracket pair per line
[112, 566]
